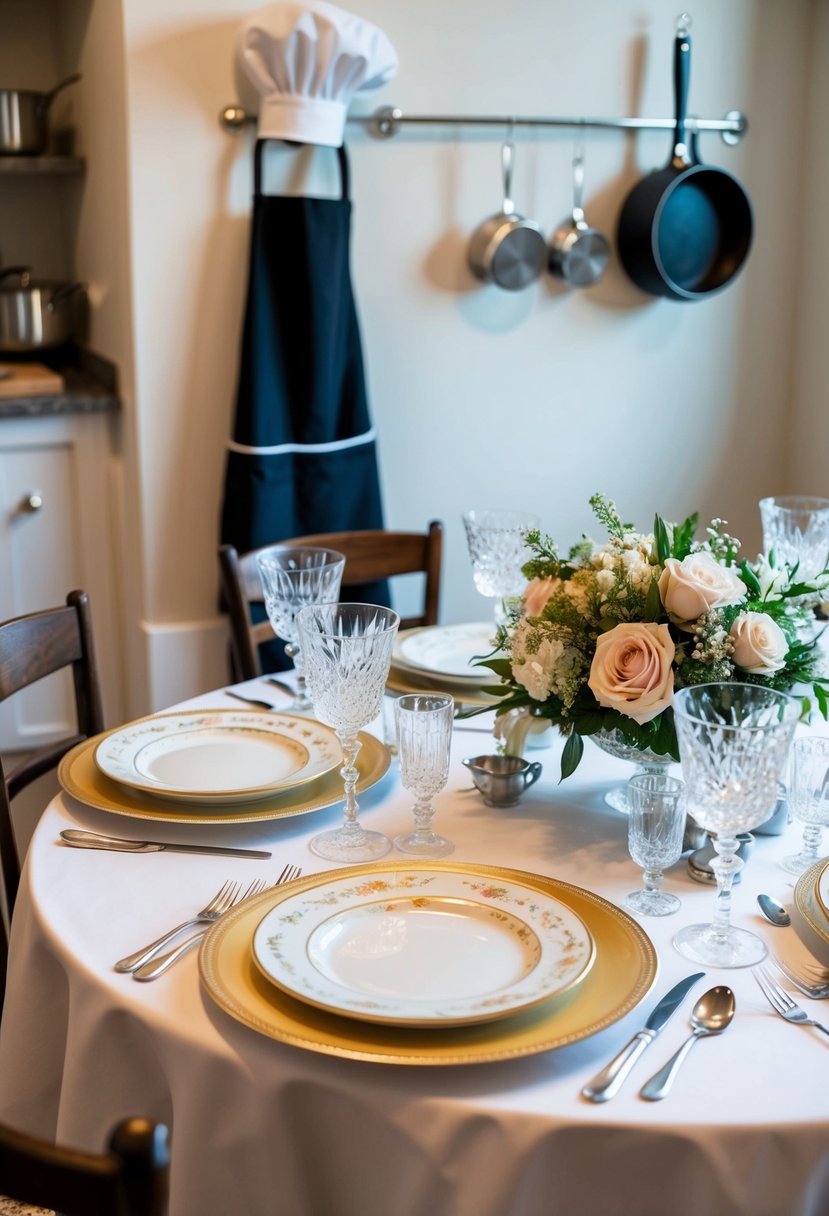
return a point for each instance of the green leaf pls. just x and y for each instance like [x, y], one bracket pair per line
[822, 699]
[684, 535]
[750, 579]
[572, 754]
[662, 538]
[653, 604]
[501, 667]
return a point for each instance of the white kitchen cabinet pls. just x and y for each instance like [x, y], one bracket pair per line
[57, 504]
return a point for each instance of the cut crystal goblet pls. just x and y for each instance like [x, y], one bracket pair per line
[424, 737]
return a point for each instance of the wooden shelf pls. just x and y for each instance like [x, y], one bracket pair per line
[37, 166]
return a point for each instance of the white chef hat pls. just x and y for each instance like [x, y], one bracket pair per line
[307, 60]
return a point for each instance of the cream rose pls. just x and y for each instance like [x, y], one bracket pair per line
[632, 670]
[538, 593]
[760, 645]
[691, 587]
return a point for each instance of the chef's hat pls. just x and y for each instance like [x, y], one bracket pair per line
[307, 60]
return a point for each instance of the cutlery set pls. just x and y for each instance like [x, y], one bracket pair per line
[149, 963]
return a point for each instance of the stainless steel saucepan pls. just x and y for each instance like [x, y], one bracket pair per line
[35, 313]
[24, 119]
[507, 249]
[578, 253]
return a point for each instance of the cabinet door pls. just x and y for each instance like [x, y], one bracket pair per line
[51, 487]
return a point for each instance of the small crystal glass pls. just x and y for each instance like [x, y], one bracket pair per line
[424, 738]
[656, 825]
[293, 576]
[496, 544]
[734, 741]
[348, 650]
[796, 528]
[809, 799]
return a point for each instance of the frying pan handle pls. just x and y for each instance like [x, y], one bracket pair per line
[682, 75]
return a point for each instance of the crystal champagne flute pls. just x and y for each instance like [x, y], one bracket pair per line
[809, 799]
[424, 738]
[348, 650]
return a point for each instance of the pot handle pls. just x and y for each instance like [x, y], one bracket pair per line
[682, 75]
[63, 293]
[23, 271]
[47, 98]
[507, 149]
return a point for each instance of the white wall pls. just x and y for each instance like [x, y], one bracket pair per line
[481, 397]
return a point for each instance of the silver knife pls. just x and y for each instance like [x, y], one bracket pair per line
[609, 1081]
[92, 840]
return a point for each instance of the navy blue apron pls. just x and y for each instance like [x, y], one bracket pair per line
[303, 454]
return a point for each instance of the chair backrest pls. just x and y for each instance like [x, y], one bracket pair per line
[31, 648]
[370, 555]
[131, 1179]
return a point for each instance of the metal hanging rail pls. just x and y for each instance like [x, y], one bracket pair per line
[388, 120]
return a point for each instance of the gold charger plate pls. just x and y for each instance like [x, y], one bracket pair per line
[466, 694]
[808, 918]
[622, 974]
[80, 776]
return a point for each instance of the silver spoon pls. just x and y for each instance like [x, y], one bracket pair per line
[773, 911]
[711, 1015]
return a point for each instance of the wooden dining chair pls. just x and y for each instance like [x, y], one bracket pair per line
[369, 556]
[130, 1179]
[32, 647]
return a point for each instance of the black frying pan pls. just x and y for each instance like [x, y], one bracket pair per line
[685, 230]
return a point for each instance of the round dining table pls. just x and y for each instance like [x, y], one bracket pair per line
[264, 1122]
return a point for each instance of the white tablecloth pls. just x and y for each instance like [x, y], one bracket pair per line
[259, 1126]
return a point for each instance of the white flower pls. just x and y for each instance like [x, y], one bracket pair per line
[690, 588]
[760, 645]
[772, 579]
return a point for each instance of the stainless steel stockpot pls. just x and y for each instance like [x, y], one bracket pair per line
[34, 313]
[24, 119]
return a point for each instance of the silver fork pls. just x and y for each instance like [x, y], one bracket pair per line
[157, 966]
[220, 902]
[782, 1003]
[811, 980]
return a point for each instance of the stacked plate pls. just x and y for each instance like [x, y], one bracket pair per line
[215, 766]
[441, 658]
[427, 963]
[810, 910]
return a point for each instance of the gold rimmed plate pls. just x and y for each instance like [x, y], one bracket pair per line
[445, 652]
[622, 974]
[464, 694]
[80, 776]
[218, 755]
[808, 915]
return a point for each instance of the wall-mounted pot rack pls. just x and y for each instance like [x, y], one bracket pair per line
[387, 121]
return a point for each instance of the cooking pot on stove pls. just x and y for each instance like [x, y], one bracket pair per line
[35, 313]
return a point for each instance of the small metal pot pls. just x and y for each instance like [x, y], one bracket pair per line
[24, 114]
[34, 313]
[507, 249]
[578, 253]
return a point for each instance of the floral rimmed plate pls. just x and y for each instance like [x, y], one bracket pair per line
[218, 755]
[446, 651]
[422, 947]
[623, 973]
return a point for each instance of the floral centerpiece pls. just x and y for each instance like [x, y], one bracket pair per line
[602, 637]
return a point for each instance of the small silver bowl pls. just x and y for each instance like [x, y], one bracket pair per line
[501, 780]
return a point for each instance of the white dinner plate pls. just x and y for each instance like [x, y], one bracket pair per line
[446, 650]
[218, 755]
[422, 947]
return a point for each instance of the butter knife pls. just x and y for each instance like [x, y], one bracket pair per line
[93, 840]
[609, 1081]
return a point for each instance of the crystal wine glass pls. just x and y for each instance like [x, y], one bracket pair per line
[495, 540]
[293, 576]
[424, 737]
[656, 825]
[796, 528]
[809, 799]
[348, 650]
[733, 743]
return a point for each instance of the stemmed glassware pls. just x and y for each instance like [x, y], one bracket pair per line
[796, 529]
[347, 649]
[656, 825]
[424, 737]
[733, 742]
[495, 540]
[293, 576]
[809, 799]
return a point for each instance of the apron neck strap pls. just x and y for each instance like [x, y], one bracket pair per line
[342, 160]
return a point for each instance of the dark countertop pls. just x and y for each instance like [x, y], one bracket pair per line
[90, 388]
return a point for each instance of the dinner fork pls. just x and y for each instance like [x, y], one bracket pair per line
[221, 901]
[810, 979]
[782, 1003]
[157, 966]
[260, 704]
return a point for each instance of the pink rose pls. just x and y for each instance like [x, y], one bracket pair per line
[538, 593]
[760, 645]
[691, 587]
[632, 670]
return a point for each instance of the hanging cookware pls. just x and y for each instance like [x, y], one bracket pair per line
[684, 231]
[507, 249]
[578, 253]
[34, 313]
[24, 119]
